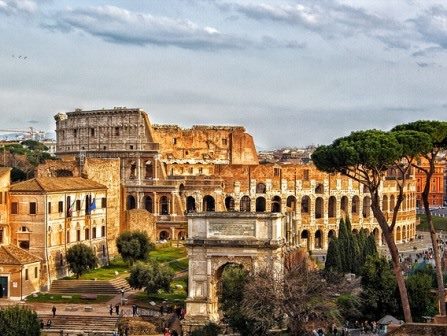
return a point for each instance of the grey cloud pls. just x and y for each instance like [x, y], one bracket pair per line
[16, 7]
[431, 25]
[121, 26]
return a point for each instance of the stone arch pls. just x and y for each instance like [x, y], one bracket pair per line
[260, 188]
[319, 189]
[332, 206]
[305, 238]
[164, 205]
[229, 203]
[208, 203]
[163, 235]
[148, 170]
[131, 202]
[398, 234]
[366, 207]
[385, 203]
[355, 205]
[133, 170]
[305, 204]
[344, 205]
[404, 232]
[392, 203]
[276, 204]
[190, 204]
[260, 204]
[181, 189]
[291, 202]
[331, 234]
[318, 239]
[319, 206]
[181, 235]
[245, 204]
[148, 205]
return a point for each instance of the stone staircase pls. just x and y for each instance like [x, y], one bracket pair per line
[100, 287]
[95, 325]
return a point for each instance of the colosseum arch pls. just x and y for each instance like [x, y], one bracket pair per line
[344, 205]
[355, 208]
[148, 205]
[131, 202]
[260, 204]
[385, 203]
[245, 204]
[319, 207]
[229, 203]
[291, 203]
[332, 206]
[318, 239]
[366, 207]
[164, 205]
[190, 204]
[305, 204]
[209, 204]
[276, 204]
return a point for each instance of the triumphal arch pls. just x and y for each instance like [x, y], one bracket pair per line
[216, 239]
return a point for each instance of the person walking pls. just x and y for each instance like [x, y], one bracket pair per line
[117, 309]
[54, 311]
[134, 309]
[111, 310]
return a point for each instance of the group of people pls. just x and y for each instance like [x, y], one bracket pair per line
[365, 328]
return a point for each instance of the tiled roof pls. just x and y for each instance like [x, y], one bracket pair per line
[12, 255]
[52, 184]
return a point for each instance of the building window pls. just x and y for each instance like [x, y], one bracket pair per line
[32, 208]
[276, 171]
[60, 207]
[49, 207]
[306, 175]
[87, 233]
[78, 235]
[191, 170]
[78, 205]
[104, 147]
[92, 132]
[68, 236]
[94, 233]
[35, 272]
[200, 170]
[103, 202]
[14, 208]
[117, 131]
[1, 235]
[24, 244]
[174, 141]
[75, 133]
[131, 146]
[224, 142]
[1, 198]
[26, 273]
[103, 231]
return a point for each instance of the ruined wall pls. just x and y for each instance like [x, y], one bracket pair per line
[141, 220]
[107, 172]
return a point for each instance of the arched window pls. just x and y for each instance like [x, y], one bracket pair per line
[260, 204]
[344, 204]
[319, 189]
[332, 206]
[148, 204]
[164, 205]
[318, 239]
[131, 204]
[190, 204]
[260, 188]
[245, 204]
[229, 203]
[149, 172]
[276, 204]
[355, 205]
[208, 203]
[305, 204]
[133, 170]
[366, 206]
[392, 203]
[291, 203]
[385, 203]
[319, 207]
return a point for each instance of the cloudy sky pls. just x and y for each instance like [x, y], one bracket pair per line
[292, 72]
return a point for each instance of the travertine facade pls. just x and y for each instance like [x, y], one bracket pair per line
[171, 171]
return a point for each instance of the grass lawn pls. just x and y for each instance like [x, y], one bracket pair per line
[106, 272]
[57, 298]
[440, 223]
[165, 253]
[176, 296]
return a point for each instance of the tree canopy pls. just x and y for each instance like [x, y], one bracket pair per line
[18, 321]
[80, 259]
[134, 245]
[151, 276]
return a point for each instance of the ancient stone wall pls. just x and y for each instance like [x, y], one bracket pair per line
[141, 220]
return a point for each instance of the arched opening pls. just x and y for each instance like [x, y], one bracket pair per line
[276, 204]
[181, 235]
[385, 203]
[305, 239]
[260, 188]
[398, 234]
[208, 203]
[164, 235]
[148, 204]
[305, 204]
[318, 239]
[291, 203]
[392, 203]
[228, 286]
[133, 170]
[181, 189]
[229, 203]
[319, 207]
[355, 205]
[260, 204]
[332, 206]
[331, 234]
[131, 203]
[245, 204]
[319, 188]
[344, 205]
[190, 204]
[149, 172]
[164, 205]
[366, 207]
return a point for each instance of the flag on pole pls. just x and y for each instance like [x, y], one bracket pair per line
[92, 205]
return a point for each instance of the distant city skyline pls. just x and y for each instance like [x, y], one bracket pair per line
[293, 73]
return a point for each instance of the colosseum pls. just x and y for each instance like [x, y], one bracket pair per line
[172, 171]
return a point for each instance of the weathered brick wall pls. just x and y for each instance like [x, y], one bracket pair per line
[141, 220]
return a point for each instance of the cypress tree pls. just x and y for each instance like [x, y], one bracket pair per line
[333, 258]
[343, 244]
